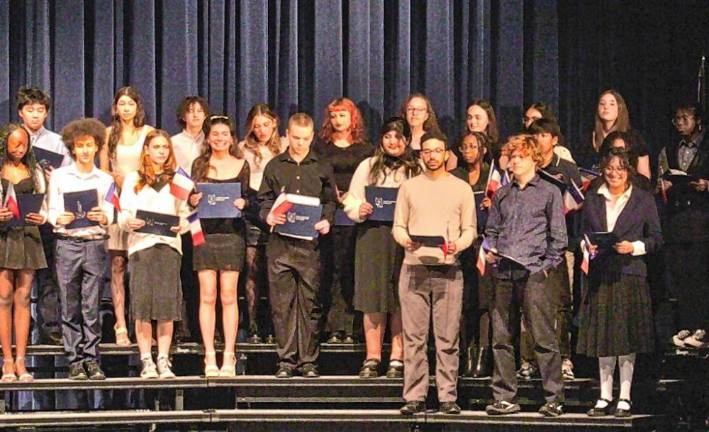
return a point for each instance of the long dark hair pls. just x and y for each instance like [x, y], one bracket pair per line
[382, 162]
[492, 132]
[622, 123]
[201, 166]
[28, 159]
[116, 126]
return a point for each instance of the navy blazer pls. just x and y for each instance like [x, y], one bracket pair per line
[638, 221]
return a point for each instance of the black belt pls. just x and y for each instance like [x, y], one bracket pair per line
[80, 239]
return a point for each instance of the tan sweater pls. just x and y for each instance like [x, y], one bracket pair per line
[442, 207]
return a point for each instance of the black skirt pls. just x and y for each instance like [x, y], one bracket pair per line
[155, 287]
[220, 252]
[21, 249]
[378, 261]
[615, 318]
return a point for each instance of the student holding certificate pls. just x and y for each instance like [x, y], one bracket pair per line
[154, 257]
[294, 263]
[21, 250]
[615, 318]
[378, 258]
[220, 259]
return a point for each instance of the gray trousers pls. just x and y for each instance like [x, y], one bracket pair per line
[539, 305]
[80, 268]
[420, 289]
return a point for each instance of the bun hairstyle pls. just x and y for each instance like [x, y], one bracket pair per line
[383, 164]
[398, 125]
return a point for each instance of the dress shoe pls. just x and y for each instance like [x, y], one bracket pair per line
[621, 411]
[482, 363]
[413, 407]
[370, 368]
[348, 340]
[93, 371]
[449, 408]
[502, 408]
[552, 409]
[284, 372]
[77, 372]
[599, 410]
[309, 370]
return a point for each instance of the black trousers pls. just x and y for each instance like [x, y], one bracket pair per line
[47, 288]
[294, 293]
[539, 306]
[338, 250]
[688, 267]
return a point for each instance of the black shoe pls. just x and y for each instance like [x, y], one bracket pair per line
[77, 372]
[284, 372]
[622, 413]
[370, 369]
[335, 339]
[55, 337]
[552, 409]
[396, 369]
[502, 408]
[413, 407]
[348, 340]
[93, 370]
[483, 367]
[601, 412]
[449, 408]
[309, 370]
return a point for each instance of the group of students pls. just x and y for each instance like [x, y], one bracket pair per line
[460, 239]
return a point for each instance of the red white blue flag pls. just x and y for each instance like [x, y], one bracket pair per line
[196, 229]
[181, 185]
[112, 197]
[11, 201]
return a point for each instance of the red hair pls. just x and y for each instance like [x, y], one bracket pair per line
[357, 133]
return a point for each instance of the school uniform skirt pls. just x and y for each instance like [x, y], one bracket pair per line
[21, 249]
[156, 289]
[615, 317]
[220, 252]
[377, 263]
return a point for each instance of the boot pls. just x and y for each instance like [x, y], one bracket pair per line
[482, 363]
[471, 355]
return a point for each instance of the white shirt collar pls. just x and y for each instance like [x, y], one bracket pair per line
[603, 190]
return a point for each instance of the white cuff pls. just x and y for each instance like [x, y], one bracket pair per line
[638, 248]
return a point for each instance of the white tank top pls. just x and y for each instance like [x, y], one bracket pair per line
[127, 158]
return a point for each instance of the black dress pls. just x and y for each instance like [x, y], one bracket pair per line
[21, 247]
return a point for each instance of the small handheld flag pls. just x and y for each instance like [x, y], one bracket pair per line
[482, 262]
[573, 198]
[112, 197]
[181, 185]
[11, 201]
[586, 250]
[196, 229]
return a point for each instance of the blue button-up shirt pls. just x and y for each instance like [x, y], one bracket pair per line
[528, 224]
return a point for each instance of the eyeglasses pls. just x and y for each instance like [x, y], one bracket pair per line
[414, 110]
[609, 170]
[429, 152]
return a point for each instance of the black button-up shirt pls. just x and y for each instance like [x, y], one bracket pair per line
[308, 177]
[528, 224]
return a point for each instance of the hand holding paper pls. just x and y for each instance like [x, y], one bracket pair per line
[97, 215]
[65, 218]
[34, 218]
[365, 209]
[624, 247]
[135, 224]
[322, 226]
[195, 198]
[240, 203]
[5, 214]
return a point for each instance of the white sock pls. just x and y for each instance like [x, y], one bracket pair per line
[606, 368]
[627, 365]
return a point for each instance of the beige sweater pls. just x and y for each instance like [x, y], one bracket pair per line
[441, 207]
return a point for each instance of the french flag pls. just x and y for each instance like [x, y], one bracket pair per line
[112, 197]
[482, 262]
[495, 180]
[11, 201]
[181, 185]
[196, 229]
[586, 251]
[587, 176]
[573, 198]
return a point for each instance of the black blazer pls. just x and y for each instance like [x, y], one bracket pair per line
[637, 221]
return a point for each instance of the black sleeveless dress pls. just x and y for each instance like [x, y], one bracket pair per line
[20, 247]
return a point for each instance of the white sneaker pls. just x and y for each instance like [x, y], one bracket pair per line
[698, 340]
[149, 371]
[164, 368]
[678, 339]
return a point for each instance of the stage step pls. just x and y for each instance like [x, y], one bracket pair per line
[331, 420]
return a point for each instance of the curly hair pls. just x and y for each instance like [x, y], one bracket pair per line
[251, 143]
[116, 125]
[146, 172]
[83, 127]
[525, 144]
[200, 166]
[28, 159]
[357, 133]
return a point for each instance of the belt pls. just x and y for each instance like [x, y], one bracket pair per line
[80, 239]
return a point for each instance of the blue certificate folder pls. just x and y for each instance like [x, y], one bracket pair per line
[47, 158]
[302, 213]
[480, 212]
[28, 203]
[383, 200]
[157, 223]
[80, 203]
[218, 200]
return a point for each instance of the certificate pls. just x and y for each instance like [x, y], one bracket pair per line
[80, 204]
[218, 200]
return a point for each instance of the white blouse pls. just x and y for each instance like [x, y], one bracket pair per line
[613, 210]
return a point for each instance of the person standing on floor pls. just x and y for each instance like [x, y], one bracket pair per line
[434, 221]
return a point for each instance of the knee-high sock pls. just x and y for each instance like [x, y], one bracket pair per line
[626, 365]
[606, 367]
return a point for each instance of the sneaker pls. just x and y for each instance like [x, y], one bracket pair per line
[149, 370]
[678, 339]
[77, 372]
[567, 370]
[396, 369]
[528, 370]
[449, 408]
[552, 409]
[93, 370]
[309, 370]
[413, 407]
[501, 408]
[698, 340]
[284, 372]
[163, 367]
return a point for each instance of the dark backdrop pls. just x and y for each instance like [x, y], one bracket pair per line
[299, 55]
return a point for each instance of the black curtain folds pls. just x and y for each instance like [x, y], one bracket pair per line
[298, 55]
